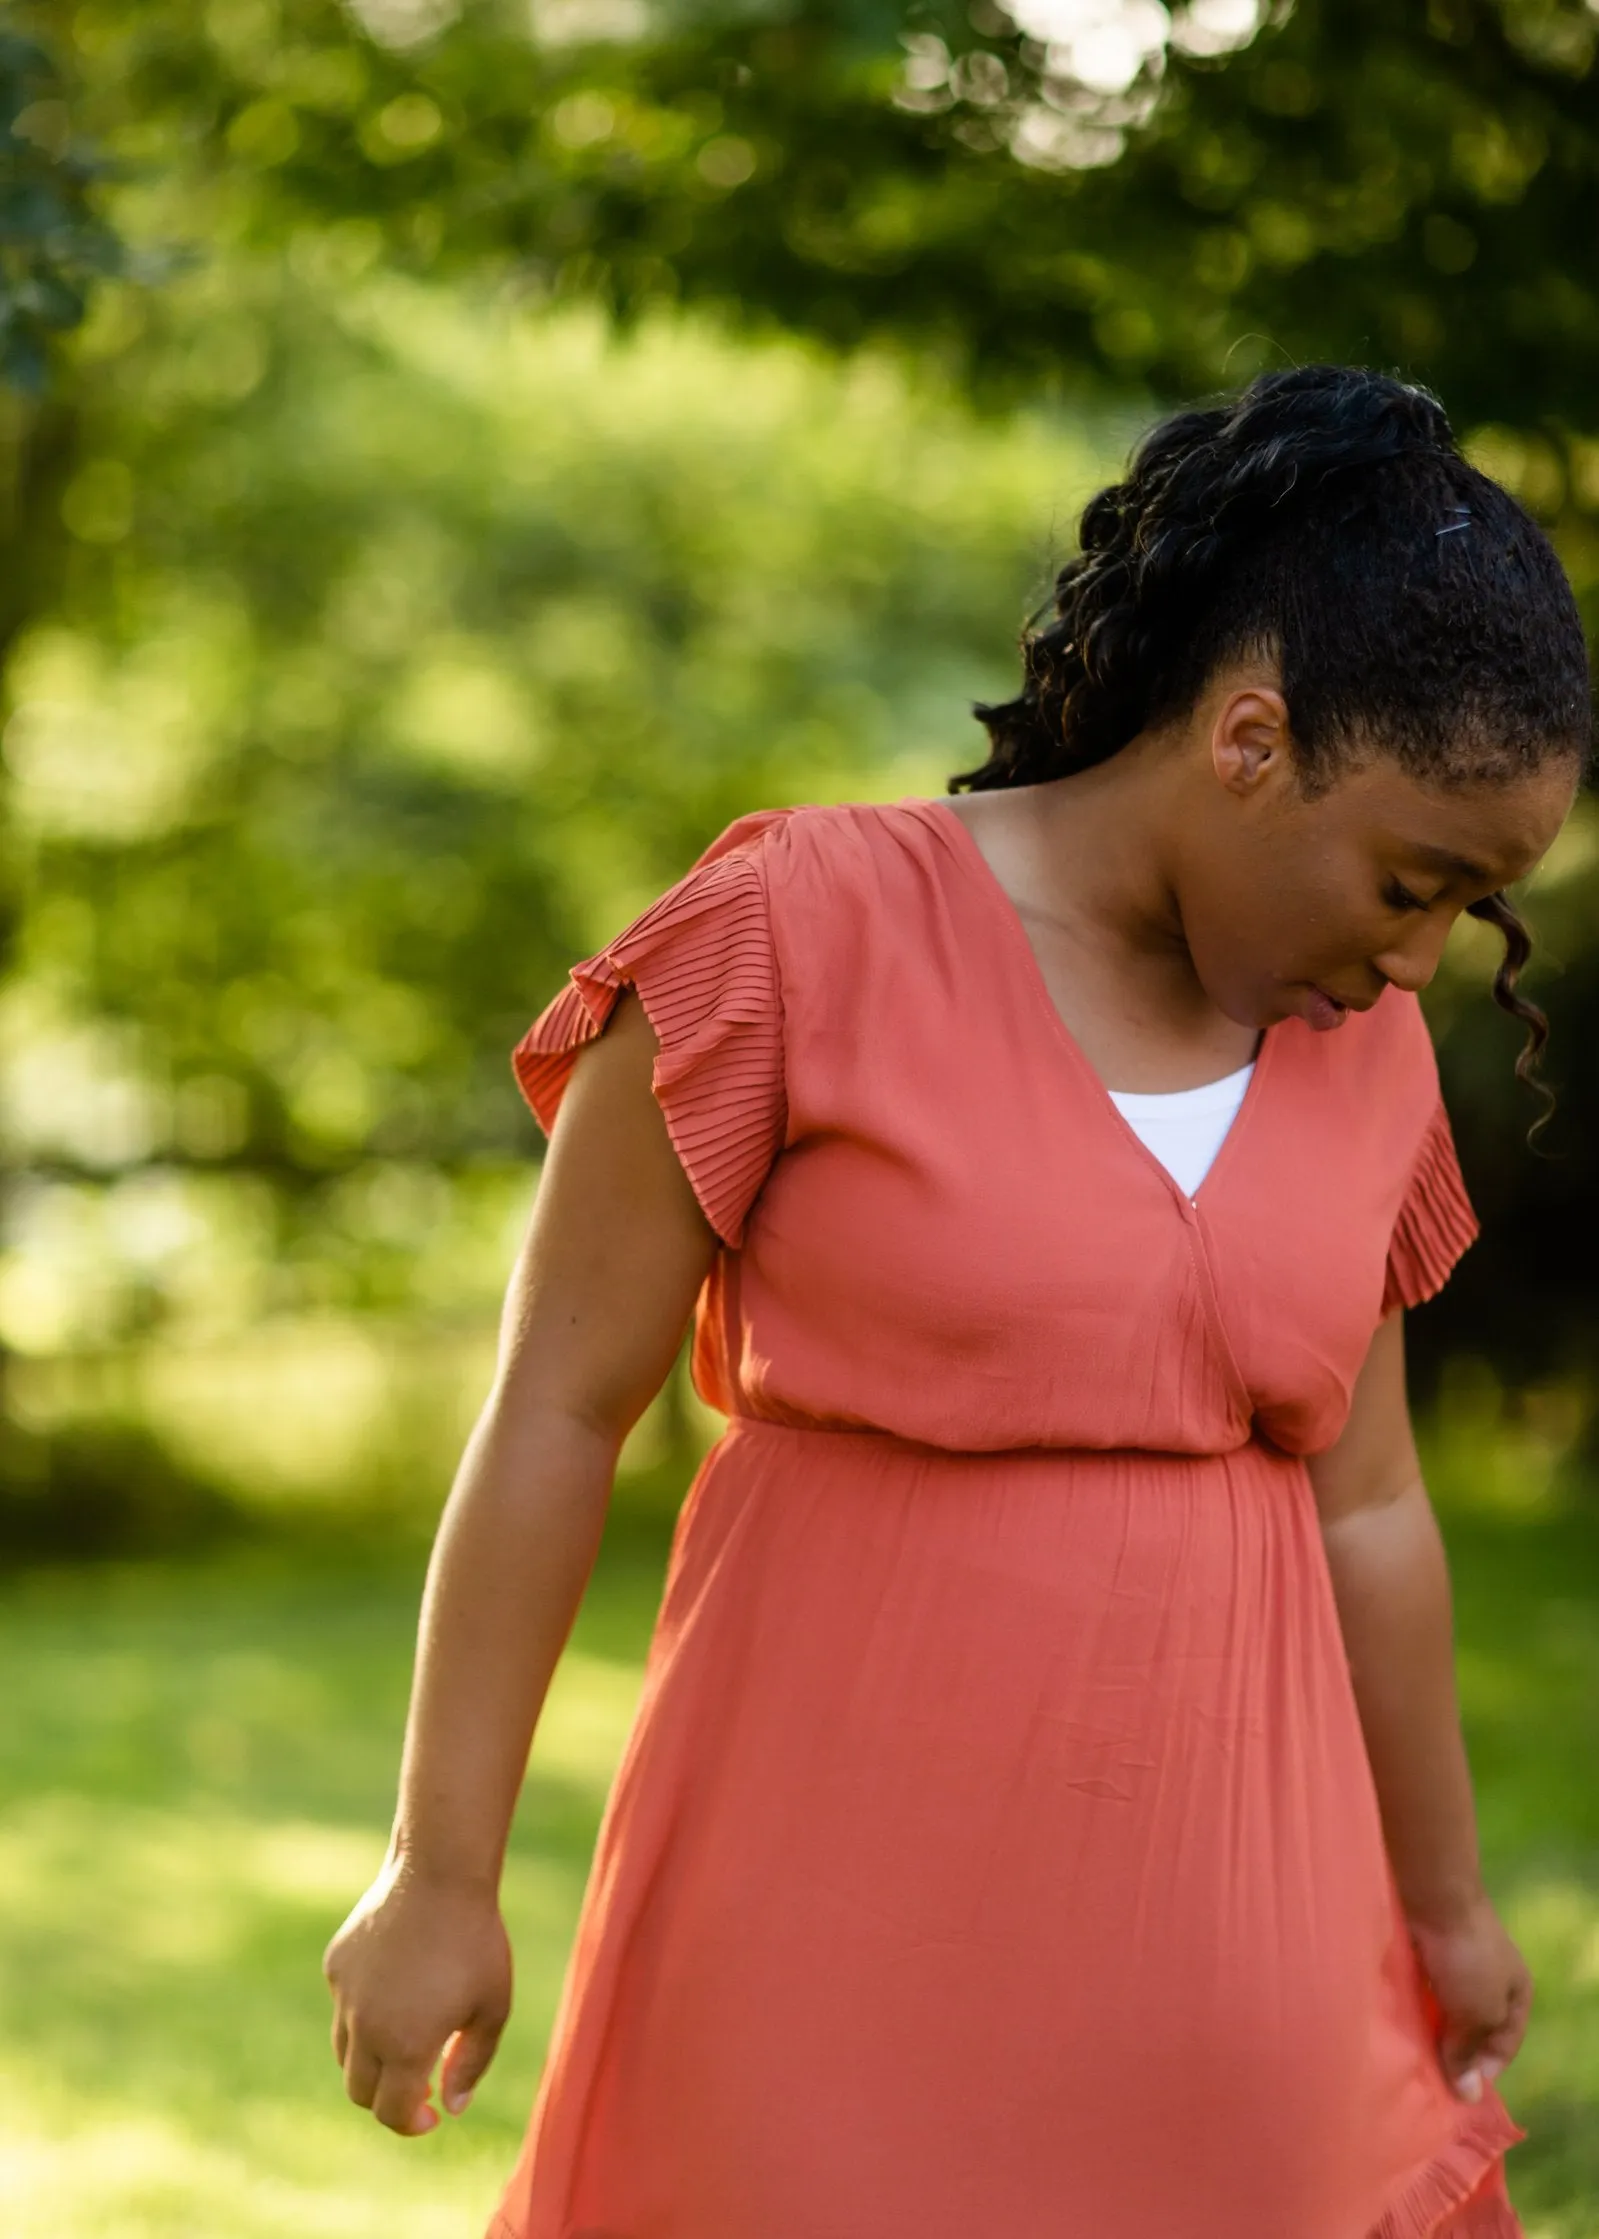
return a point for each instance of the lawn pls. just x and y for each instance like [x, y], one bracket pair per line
[197, 1764]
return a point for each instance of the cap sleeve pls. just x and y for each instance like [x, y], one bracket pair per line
[702, 963]
[1435, 1224]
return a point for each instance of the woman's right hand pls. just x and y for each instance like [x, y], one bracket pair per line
[1483, 1992]
[421, 1968]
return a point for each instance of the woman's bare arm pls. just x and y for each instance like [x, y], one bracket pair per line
[596, 1309]
[1391, 1583]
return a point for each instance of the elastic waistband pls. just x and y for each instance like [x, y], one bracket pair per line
[881, 1444]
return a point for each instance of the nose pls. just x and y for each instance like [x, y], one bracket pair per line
[1410, 964]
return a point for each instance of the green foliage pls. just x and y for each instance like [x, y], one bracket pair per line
[403, 650]
[51, 242]
[1357, 181]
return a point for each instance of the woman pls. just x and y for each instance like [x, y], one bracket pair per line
[1046, 1812]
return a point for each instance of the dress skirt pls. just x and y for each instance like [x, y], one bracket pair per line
[996, 1854]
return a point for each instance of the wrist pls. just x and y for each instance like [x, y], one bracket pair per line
[1444, 1908]
[441, 1869]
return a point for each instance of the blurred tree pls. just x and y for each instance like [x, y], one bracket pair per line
[405, 649]
[53, 244]
[1056, 188]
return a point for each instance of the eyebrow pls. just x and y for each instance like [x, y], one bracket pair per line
[1443, 859]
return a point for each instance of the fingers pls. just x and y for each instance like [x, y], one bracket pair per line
[466, 2057]
[1506, 2039]
[395, 2090]
[1500, 2045]
[401, 2100]
[362, 2073]
[1461, 2055]
[1473, 2063]
[1464, 2059]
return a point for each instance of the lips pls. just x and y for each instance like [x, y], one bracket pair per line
[1323, 1013]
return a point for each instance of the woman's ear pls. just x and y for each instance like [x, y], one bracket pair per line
[1250, 742]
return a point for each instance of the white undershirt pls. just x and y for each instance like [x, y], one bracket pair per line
[1186, 1127]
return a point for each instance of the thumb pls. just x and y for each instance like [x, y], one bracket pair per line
[466, 2057]
[1459, 2054]
[1473, 2066]
[1497, 2049]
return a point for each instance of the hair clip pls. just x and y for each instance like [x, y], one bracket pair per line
[1455, 526]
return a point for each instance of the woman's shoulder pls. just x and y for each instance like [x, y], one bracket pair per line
[817, 829]
[832, 849]
[826, 869]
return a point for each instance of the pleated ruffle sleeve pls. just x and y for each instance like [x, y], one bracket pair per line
[1435, 1224]
[702, 963]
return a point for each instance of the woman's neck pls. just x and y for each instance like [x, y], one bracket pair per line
[1086, 862]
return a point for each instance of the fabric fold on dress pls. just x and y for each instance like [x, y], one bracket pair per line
[1461, 2193]
[701, 962]
[1435, 1224]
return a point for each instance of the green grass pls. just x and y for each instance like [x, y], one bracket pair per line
[196, 1765]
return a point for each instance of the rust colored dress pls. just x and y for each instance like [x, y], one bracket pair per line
[995, 1854]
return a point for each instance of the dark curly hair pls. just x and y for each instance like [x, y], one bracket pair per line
[1324, 519]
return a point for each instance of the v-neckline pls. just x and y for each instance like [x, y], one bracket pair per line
[1015, 932]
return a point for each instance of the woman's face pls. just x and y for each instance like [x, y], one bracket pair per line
[1309, 908]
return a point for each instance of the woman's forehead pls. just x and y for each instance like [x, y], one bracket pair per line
[1479, 832]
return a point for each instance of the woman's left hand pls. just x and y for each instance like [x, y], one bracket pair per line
[1484, 1994]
